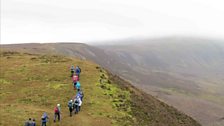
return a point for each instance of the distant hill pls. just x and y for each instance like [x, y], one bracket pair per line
[173, 69]
[176, 69]
[34, 83]
[178, 55]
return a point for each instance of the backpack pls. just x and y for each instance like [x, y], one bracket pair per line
[56, 110]
[70, 105]
[44, 117]
[77, 71]
[76, 102]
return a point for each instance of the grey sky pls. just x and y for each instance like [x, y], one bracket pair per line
[25, 21]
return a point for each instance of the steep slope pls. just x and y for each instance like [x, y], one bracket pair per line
[32, 84]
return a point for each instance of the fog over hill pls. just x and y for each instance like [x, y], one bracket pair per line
[187, 73]
[183, 56]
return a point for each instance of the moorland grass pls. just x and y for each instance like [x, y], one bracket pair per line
[33, 84]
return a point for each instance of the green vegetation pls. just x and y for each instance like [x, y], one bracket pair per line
[33, 84]
[120, 100]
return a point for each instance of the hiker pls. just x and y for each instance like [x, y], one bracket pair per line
[70, 107]
[75, 78]
[78, 85]
[33, 122]
[80, 93]
[76, 105]
[80, 103]
[72, 70]
[29, 122]
[77, 71]
[57, 112]
[44, 118]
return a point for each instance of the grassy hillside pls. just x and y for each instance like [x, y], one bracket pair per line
[33, 84]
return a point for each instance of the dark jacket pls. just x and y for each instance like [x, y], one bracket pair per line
[28, 123]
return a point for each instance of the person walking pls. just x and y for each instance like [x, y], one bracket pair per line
[77, 70]
[76, 105]
[44, 119]
[57, 112]
[78, 85]
[80, 94]
[70, 107]
[72, 69]
[75, 79]
[80, 103]
[33, 122]
[28, 123]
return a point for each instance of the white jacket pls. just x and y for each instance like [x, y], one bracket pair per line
[80, 101]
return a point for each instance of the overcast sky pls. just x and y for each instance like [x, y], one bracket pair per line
[25, 21]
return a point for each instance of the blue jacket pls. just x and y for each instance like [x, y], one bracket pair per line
[33, 124]
[80, 94]
[44, 117]
[77, 70]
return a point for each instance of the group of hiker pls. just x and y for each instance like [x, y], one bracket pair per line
[74, 103]
[30, 122]
[44, 120]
